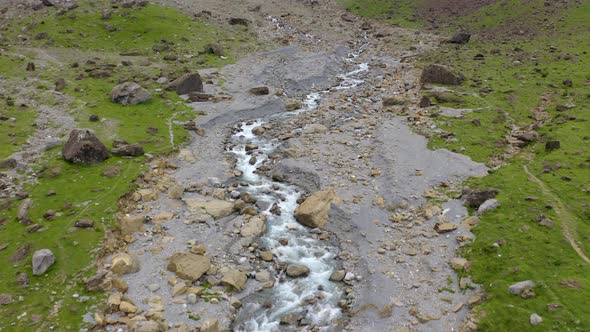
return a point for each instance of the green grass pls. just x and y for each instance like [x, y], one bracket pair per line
[395, 12]
[540, 254]
[83, 192]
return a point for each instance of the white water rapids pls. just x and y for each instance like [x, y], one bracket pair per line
[312, 299]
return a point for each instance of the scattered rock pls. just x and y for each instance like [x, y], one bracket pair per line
[235, 279]
[129, 150]
[259, 91]
[460, 38]
[459, 263]
[188, 266]
[20, 253]
[6, 299]
[445, 227]
[520, 287]
[475, 198]
[266, 256]
[552, 145]
[439, 74]
[425, 102]
[253, 228]
[186, 84]
[42, 260]
[337, 275]
[123, 263]
[129, 93]
[84, 223]
[313, 212]
[210, 325]
[297, 271]
[83, 147]
[536, 319]
[23, 211]
[215, 208]
[60, 84]
[488, 205]
[238, 21]
[215, 49]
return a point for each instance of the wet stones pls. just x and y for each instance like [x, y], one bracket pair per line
[129, 93]
[42, 261]
[83, 147]
[439, 74]
[297, 271]
[338, 275]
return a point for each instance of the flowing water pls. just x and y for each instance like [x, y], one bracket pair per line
[313, 300]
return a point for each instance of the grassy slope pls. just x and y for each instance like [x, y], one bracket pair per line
[519, 78]
[88, 193]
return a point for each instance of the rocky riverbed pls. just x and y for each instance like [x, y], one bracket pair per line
[334, 118]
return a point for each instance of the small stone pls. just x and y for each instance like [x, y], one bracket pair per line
[536, 319]
[445, 227]
[297, 271]
[266, 256]
[127, 307]
[337, 275]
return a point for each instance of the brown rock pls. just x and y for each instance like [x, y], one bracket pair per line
[188, 266]
[313, 212]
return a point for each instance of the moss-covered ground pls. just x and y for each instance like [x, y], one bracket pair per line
[61, 47]
[531, 50]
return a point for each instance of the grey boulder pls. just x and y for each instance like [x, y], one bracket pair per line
[42, 260]
[129, 93]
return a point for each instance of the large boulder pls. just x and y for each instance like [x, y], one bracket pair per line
[234, 278]
[129, 93]
[188, 266]
[186, 84]
[83, 147]
[313, 212]
[42, 260]
[439, 74]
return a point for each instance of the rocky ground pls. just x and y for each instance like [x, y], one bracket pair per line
[349, 113]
